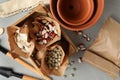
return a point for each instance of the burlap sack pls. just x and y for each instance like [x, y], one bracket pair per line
[107, 46]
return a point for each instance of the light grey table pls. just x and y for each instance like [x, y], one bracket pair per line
[84, 71]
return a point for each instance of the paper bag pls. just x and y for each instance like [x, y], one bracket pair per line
[107, 47]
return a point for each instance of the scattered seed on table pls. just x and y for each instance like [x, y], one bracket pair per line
[82, 48]
[80, 59]
[88, 38]
[72, 62]
[84, 36]
[72, 75]
[74, 69]
[1, 30]
[80, 32]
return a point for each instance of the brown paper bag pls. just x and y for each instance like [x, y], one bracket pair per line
[64, 62]
[13, 44]
[36, 27]
[107, 46]
[107, 43]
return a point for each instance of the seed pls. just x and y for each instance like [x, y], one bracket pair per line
[59, 60]
[50, 27]
[83, 49]
[72, 75]
[81, 45]
[70, 64]
[44, 21]
[43, 32]
[40, 42]
[80, 59]
[44, 41]
[88, 38]
[74, 69]
[38, 34]
[56, 67]
[58, 64]
[55, 31]
[50, 58]
[65, 76]
[79, 32]
[1, 30]
[73, 62]
[84, 36]
[46, 35]
[56, 60]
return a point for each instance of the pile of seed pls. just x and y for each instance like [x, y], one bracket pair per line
[47, 31]
[53, 58]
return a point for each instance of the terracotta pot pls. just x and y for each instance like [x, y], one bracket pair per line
[75, 12]
[98, 10]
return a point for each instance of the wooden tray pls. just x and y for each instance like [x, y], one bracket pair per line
[41, 9]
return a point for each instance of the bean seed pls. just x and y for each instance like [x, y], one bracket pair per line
[72, 75]
[88, 38]
[73, 62]
[74, 69]
[79, 32]
[84, 36]
[65, 76]
[44, 21]
[56, 67]
[83, 49]
[80, 60]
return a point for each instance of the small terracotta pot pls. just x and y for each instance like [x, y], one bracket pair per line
[98, 10]
[75, 12]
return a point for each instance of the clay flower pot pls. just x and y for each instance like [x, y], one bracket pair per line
[98, 10]
[75, 12]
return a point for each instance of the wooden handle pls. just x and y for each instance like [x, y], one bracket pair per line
[27, 65]
[25, 77]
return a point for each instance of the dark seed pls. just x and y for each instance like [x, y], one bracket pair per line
[65, 76]
[72, 75]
